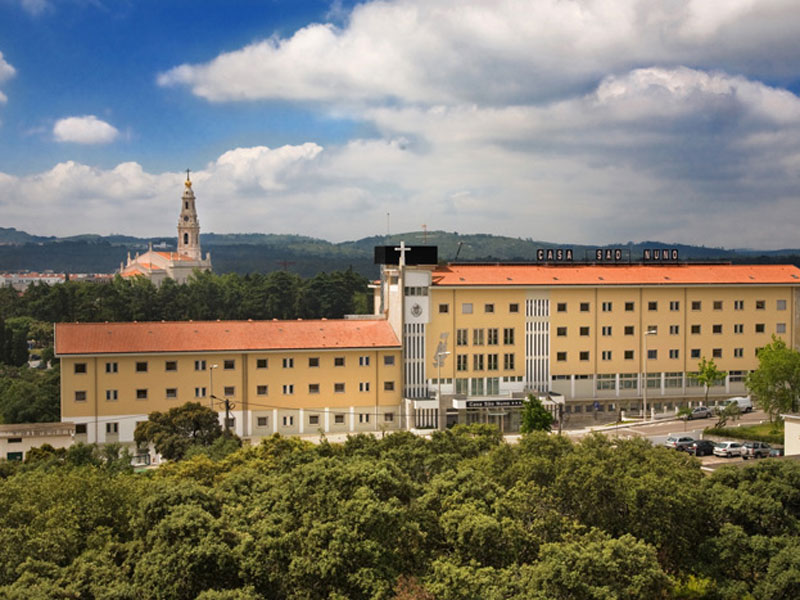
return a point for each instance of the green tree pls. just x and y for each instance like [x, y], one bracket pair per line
[535, 417]
[775, 385]
[172, 433]
[708, 374]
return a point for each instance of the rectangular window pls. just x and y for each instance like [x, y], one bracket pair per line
[606, 355]
[561, 356]
[444, 309]
[761, 304]
[388, 417]
[738, 305]
[141, 367]
[171, 365]
[462, 337]
[388, 360]
[561, 331]
[781, 305]
[738, 352]
[493, 336]
[697, 305]
[338, 419]
[262, 390]
[80, 367]
[584, 307]
[313, 388]
[508, 361]
[338, 388]
[628, 354]
[112, 367]
[780, 328]
[80, 428]
[717, 305]
[112, 395]
[695, 329]
[477, 337]
[313, 362]
[695, 353]
[674, 305]
[738, 328]
[288, 363]
[466, 308]
[313, 419]
[513, 307]
[262, 421]
[606, 330]
[262, 363]
[172, 393]
[759, 328]
[477, 362]
[363, 361]
[229, 364]
[584, 355]
[288, 389]
[508, 336]
[388, 386]
[288, 421]
[461, 362]
[652, 305]
[492, 362]
[476, 386]
[363, 386]
[652, 330]
[584, 331]
[141, 394]
[674, 329]
[112, 428]
[606, 306]
[199, 392]
[716, 353]
[629, 306]
[363, 417]
[229, 390]
[652, 354]
[462, 385]
[488, 308]
[629, 329]
[199, 365]
[673, 353]
[80, 396]
[561, 307]
[716, 328]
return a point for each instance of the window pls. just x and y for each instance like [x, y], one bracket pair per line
[780, 328]
[695, 329]
[697, 305]
[313, 362]
[674, 329]
[80, 396]
[716, 353]
[513, 307]
[508, 336]
[363, 361]
[462, 337]
[493, 336]
[629, 329]
[388, 417]
[363, 417]
[738, 305]
[488, 308]
[561, 356]
[716, 328]
[229, 390]
[80, 429]
[141, 394]
[338, 361]
[652, 305]
[508, 361]
[759, 328]
[288, 421]
[461, 362]
[738, 328]
[288, 389]
[695, 353]
[674, 353]
[141, 367]
[561, 307]
[338, 419]
[112, 395]
[607, 306]
[172, 392]
[584, 355]
[606, 330]
[717, 305]
[583, 331]
[781, 305]
[112, 367]
[652, 329]
[492, 362]
[444, 309]
[388, 360]
[288, 363]
[476, 386]
[261, 363]
[388, 386]
[363, 386]
[466, 308]
[171, 365]
[313, 419]
[738, 352]
[338, 388]
[629, 306]
[313, 388]
[262, 390]
[674, 305]
[199, 365]
[628, 354]
[477, 362]
[652, 354]
[477, 337]
[584, 307]
[262, 421]
[761, 304]
[229, 364]
[606, 355]
[80, 367]
[561, 331]
[199, 392]
[112, 428]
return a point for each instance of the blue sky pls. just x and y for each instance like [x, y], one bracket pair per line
[585, 121]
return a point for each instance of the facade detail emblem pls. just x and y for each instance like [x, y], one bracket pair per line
[416, 310]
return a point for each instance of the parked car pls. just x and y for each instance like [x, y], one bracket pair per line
[700, 412]
[776, 452]
[728, 449]
[743, 402]
[701, 448]
[679, 442]
[755, 450]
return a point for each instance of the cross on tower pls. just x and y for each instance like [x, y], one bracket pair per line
[402, 250]
[187, 174]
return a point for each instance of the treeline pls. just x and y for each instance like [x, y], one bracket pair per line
[460, 516]
[278, 295]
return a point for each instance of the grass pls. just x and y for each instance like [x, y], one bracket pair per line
[772, 433]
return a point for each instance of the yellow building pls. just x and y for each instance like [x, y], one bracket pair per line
[289, 377]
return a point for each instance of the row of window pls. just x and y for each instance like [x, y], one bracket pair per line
[608, 330]
[467, 308]
[674, 305]
[488, 362]
[338, 419]
[230, 364]
[652, 354]
[489, 337]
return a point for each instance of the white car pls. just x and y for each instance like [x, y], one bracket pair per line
[728, 449]
[700, 412]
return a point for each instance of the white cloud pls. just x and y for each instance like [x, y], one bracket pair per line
[35, 7]
[6, 73]
[507, 51]
[84, 130]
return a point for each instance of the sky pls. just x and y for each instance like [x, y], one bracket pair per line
[570, 121]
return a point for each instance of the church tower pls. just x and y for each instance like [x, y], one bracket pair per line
[188, 225]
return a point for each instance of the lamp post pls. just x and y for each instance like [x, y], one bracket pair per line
[644, 366]
[211, 384]
[439, 360]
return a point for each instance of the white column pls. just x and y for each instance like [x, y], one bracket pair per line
[302, 420]
[352, 418]
[327, 420]
[274, 420]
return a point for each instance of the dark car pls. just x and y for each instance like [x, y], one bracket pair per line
[756, 450]
[700, 448]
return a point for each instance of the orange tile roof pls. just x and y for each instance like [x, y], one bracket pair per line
[556, 275]
[176, 257]
[222, 336]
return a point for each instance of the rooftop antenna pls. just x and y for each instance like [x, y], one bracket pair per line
[388, 224]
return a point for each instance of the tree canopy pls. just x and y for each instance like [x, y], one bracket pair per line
[535, 417]
[775, 385]
[174, 432]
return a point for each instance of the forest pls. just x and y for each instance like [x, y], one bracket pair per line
[460, 516]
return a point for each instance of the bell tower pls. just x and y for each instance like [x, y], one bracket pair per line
[188, 225]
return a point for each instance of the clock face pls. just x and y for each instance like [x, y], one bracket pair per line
[186, 218]
[416, 310]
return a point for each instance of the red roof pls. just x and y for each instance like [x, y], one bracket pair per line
[594, 275]
[222, 336]
[174, 256]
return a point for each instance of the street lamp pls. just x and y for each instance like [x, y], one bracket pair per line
[211, 384]
[439, 360]
[644, 366]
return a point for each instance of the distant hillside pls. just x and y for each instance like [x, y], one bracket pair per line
[262, 252]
